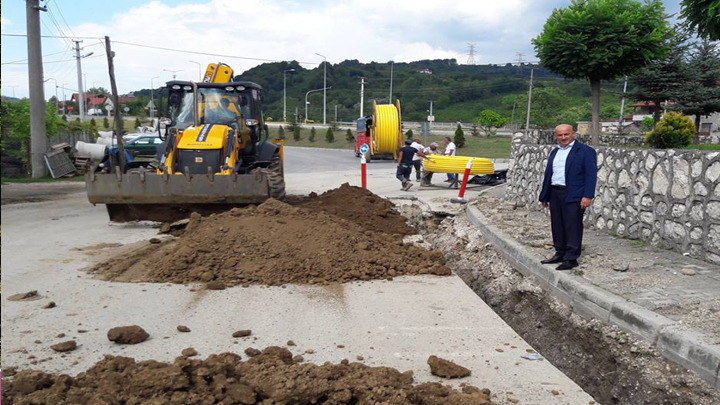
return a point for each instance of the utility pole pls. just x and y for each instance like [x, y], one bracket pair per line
[285, 93]
[116, 101]
[392, 65]
[622, 108]
[362, 96]
[336, 106]
[324, 88]
[512, 117]
[38, 137]
[81, 92]
[471, 54]
[527, 118]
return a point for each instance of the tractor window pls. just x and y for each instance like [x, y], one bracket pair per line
[216, 106]
[180, 107]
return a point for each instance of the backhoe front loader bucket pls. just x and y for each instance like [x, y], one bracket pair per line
[142, 195]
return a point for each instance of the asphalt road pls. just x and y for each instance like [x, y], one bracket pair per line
[314, 160]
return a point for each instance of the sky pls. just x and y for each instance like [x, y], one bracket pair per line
[249, 32]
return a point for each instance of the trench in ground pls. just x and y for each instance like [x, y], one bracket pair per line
[610, 365]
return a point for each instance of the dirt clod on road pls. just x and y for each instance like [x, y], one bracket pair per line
[275, 244]
[270, 377]
[242, 333]
[128, 335]
[26, 296]
[446, 368]
[62, 347]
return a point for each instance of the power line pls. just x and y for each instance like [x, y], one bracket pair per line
[23, 60]
[63, 18]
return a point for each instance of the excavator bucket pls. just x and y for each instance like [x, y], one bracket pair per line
[141, 195]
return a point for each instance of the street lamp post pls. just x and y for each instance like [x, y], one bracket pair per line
[64, 100]
[306, 99]
[285, 93]
[56, 96]
[152, 98]
[199, 69]
[324, 88]
[174, 72]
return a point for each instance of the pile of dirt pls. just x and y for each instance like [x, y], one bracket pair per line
[271, 377]
[273, 244]
[357, 205]
[446, 368]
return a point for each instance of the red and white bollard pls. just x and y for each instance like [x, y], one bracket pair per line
[363, 171]
[460, 198]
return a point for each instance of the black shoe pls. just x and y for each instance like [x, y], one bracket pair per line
[567, 265]
[555, 259]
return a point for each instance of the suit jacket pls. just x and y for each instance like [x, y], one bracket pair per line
[580, 174]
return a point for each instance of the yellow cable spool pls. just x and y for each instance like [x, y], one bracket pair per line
[456, 164]
[386, 133]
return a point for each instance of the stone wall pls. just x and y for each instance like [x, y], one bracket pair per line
[546, 137]
[668, 198]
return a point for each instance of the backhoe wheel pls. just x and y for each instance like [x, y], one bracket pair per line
[276, 178]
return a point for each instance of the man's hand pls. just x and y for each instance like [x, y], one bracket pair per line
[585, 202]
[544, 204]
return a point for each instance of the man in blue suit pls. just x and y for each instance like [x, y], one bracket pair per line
[568, 189]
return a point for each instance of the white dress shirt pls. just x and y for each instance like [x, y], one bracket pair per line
[558, 168]
[419, 147]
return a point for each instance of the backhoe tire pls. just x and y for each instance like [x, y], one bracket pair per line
[276, 178]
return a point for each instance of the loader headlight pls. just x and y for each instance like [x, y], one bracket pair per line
[240, 88]
[250, 122]
[229, 88]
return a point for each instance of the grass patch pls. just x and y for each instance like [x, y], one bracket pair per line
[40, 180]
[707, 147]
[494, 147]
[638, 243]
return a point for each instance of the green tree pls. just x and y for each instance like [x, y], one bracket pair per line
[459, 137]
[93, 122]
[409, 134]
[349, 135]
[703, 17]
[699, 93]
[137, 122]
[330, 135]
[311, 138]
[474, 131]
[489, 121]
[673, 131]
[281, 132]
[647, 124]
[64, 117]
[296, 133]
[106, 123]
[600, 40]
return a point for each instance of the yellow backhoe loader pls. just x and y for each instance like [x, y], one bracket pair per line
[215, 154]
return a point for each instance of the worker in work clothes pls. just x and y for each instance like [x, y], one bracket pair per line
[425, 153]
[417, 158]
[404, 167]
[450, 150]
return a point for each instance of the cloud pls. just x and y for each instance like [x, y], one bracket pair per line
[5, 23]
[367, 30]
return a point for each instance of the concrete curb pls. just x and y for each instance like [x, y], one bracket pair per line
[687, 348]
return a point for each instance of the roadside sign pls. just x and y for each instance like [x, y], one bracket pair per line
[431, 118]
[126, 109]
[364, 148]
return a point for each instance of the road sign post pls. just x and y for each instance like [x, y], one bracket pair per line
[363, 165]
[460, 199]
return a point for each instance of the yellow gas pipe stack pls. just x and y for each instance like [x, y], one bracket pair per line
[386, 133]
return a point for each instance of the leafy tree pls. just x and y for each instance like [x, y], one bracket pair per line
[459, 137]
[137, 122]
[296, 133]
[673, 131]
[699, 93]
[474, 131]
[661, 80]
[97, 90]
[311, 138]
[702, 16]
[329, 135]
[600, 40]
[349, 135]
[93, 123]
[489, 120]
[281, 132]
[106, 123]
[409, 134]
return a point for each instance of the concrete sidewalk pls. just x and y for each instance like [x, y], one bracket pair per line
[666, 298]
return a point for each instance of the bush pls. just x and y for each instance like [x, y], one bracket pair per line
[330, 135]
[489, 120]
[349, 135]
[673, 131]
[311, 138]
[475, 131]
[409, 134]
[647, 124]
[459, 137]
[281, 133]
[64, 117]
[106, 123]
[137, 122]
[93, 122]
[296, 132]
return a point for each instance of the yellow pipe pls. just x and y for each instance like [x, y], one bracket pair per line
[456, 164]
[386, 133]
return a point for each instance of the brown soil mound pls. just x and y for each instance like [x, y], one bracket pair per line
[446, 368]
[127, 335]
[358, 205]
[273, 244]
[271, 377]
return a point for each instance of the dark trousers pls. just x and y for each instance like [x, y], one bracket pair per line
[567, 225]
[417, 164]
[403, 173]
